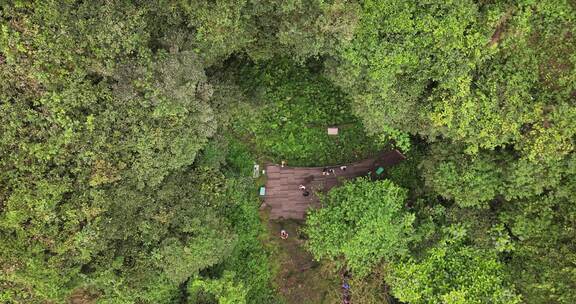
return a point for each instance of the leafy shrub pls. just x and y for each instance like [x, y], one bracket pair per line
[363, 221]
[239, 160]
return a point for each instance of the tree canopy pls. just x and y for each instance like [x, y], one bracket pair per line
[128, 132]
[362, 221]
[452, 272]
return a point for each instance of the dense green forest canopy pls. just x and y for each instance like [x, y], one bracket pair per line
[128, 131]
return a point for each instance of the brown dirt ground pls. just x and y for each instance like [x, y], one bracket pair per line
[300, 279]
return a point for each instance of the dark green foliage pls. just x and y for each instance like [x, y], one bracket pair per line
[214, 153]
[407, 174]
[475, 180]
[128, 132]
[249, 260]
[101, 194]
[264, 29]
[239, 160]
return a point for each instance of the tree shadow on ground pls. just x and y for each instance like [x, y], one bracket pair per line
[300, 279]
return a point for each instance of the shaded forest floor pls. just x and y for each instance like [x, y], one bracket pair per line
[299, 279]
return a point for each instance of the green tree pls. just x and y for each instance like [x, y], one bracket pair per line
[476, 180]
[541, 245]
[362, 221]
[452, 272]
[525, 214]
[100, 130]
[225, 290]
[401, 50]
[487, 75]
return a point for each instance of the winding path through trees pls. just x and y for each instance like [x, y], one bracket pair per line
[285, 199]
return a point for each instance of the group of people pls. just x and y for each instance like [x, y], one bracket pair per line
[332, 171]
[325, 171]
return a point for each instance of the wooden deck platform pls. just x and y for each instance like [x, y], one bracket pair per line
[285, 199]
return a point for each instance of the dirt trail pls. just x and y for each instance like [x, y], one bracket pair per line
[300, 279]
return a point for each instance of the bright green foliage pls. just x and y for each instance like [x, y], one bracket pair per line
[543, 230]
[400, 51]
[452, 273]
[520, 93]
[363, 221]
[128, 130]
[486, 75]
[225, 290]
[293, 108]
